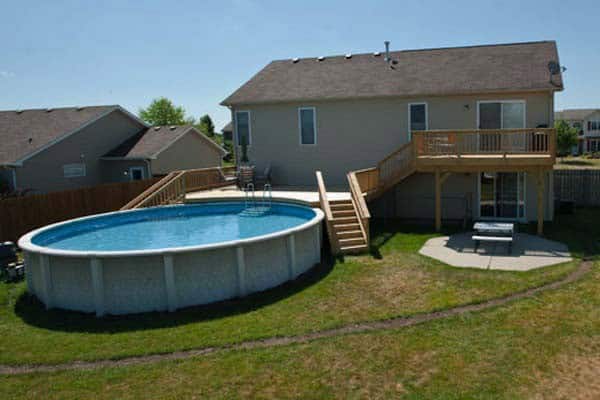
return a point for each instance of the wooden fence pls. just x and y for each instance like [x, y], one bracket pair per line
[579, 185]
[23, 214]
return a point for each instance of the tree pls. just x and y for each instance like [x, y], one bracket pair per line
[163, 112]
[566, 137]
[206, 126]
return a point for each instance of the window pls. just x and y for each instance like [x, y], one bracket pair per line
[594, 125]
[502, 195]
[73, 170]
[509, 114]
[307, 117]
[417, 118]
[136, 173]
[242, 127]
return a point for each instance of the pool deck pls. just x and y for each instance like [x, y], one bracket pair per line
[297, 193]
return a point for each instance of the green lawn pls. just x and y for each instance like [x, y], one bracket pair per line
[530, 346]
[576, 162]
[397, 282]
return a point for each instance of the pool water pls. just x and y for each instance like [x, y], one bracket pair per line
[175, 226]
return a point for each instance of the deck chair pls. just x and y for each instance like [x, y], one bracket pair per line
[265, 177]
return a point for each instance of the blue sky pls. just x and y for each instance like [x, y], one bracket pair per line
[61, 53]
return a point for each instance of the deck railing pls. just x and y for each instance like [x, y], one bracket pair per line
[174, 186]
[535, 141]
[396, 165]
[324, 202]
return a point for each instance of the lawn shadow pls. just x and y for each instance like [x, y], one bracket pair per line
[415, 233]
[33, 312]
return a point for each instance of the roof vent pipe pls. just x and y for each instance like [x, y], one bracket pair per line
[387, 51]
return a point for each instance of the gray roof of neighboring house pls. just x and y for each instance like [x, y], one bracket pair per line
[150, 142]
[444, 71]
[228, 127]
[24, 132]
[575, 114]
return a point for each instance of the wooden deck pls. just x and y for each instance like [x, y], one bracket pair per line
[288, 193]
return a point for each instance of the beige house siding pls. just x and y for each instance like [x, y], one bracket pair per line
[413, 198]
[118, 170]
[188, 152]
[44, 171]
[357, 134]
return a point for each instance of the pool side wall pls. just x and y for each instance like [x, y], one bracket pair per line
[171, 280]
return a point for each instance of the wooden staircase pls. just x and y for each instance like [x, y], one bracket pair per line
[347, 228]
[348, 220]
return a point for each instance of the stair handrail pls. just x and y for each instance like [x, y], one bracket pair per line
[324, 202]
[360, 205]
[142, 198]
[396, 163]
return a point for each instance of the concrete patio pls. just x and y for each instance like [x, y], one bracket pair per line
[528, 252]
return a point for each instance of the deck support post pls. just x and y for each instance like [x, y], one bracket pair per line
[439, 181]
[438, 201]
[540, 201]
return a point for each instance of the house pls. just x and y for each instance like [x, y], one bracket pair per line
[461, 112]
[227, 131]
[587, 121]
[67, 148]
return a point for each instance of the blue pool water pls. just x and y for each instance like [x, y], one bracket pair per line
[177, 226]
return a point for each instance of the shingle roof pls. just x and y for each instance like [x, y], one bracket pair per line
[228, 127]
[576, 114]
[149, 142]
[24, 132]
[458, 70]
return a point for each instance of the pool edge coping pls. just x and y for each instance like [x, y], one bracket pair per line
[27, 245]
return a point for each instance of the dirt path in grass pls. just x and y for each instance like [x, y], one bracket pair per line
[362, 327]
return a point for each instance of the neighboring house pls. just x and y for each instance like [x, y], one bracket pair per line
[343, 113]
[67, 148]
[227, 131]
[587, 121]
[162, 149]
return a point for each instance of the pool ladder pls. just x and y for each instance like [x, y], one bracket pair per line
[254, 207]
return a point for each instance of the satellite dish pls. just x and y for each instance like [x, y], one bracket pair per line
[554, 67]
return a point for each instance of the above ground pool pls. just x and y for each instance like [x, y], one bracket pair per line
[164, 258]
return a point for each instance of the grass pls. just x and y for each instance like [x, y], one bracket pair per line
[571, 162]
[397, 282]
[512, 352]
[543, 347]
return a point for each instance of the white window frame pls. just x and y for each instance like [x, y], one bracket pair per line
[137, 168]
[235, 127]
[520, 190]
[420, 103]
[314, 110]
[522, 101]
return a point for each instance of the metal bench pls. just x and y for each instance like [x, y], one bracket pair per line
[500, 232]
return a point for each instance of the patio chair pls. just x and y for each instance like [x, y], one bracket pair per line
[265, 177]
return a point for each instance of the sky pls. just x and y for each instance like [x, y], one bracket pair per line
[69, 53]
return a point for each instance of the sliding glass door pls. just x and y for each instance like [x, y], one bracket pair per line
[502, 195]
[501, 115]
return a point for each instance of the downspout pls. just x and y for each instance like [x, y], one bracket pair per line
[234, 136]
[14, 177]
[550, 188]
[149, 168]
